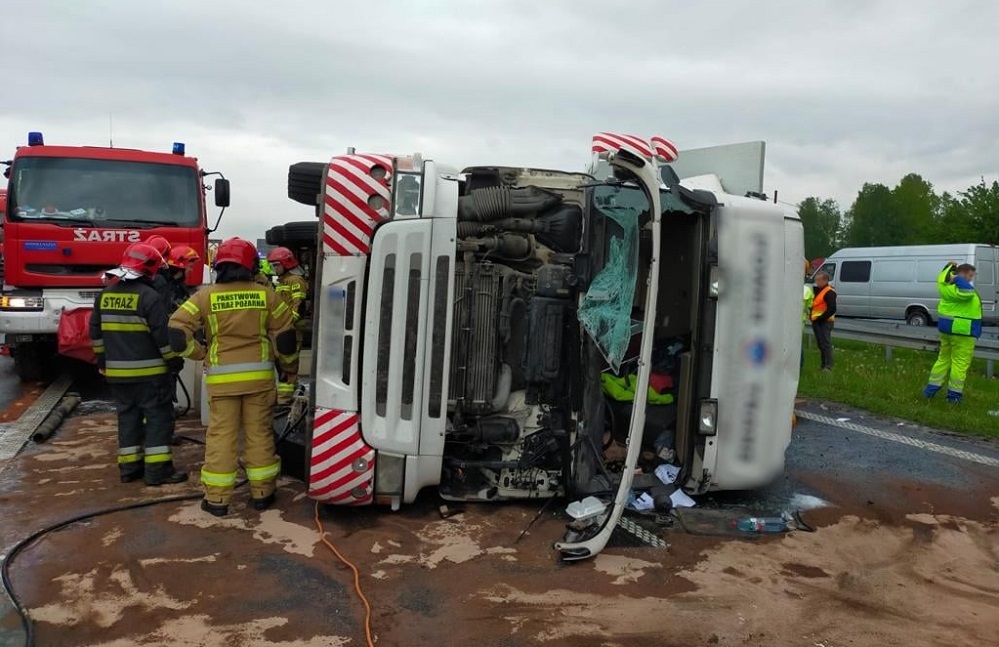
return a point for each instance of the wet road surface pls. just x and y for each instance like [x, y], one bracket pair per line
[906, 552]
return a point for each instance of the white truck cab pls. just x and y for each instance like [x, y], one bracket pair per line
[493, 332]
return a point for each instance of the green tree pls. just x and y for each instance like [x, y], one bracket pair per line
[917, 208]
[972, 216]
[874, 218]
[821, 220]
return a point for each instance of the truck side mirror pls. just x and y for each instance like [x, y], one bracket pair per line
[221, 192]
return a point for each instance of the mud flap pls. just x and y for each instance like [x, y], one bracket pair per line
[74, 335]
[583, 549]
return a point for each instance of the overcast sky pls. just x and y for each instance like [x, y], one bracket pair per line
[842, 92]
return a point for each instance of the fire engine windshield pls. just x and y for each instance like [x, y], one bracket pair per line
[103, 192]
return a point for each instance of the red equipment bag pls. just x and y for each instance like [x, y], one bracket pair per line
[74, 335]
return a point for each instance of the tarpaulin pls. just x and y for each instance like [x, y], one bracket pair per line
[74, 335]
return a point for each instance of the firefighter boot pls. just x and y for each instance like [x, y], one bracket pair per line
[264, 503]
[164, 474]
[214, 509]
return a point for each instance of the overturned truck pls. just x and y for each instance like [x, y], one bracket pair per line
[514, 333]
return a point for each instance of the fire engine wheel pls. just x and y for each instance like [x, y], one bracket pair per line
[305, 181]
[30, 361]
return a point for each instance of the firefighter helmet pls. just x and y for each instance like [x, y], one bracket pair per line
[181, 257]
[160, 244]
[239, 251]
[141, 258]
[284, 256]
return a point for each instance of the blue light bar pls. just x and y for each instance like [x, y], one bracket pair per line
[178, 148]
[35, 139]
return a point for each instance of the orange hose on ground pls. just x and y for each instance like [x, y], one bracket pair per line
[357, 578]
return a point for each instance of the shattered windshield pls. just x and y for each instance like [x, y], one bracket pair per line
[104, 192]
[605, 312]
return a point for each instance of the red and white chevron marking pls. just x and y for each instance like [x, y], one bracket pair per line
[342, 467]
[614, 142]
[356, 202]
[664, 149]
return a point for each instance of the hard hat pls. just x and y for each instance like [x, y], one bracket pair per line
[239, 251]
[160, 244]
[284, 256]
[141, 258]
[181, 257]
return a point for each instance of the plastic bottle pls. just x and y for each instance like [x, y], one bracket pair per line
[762, 524]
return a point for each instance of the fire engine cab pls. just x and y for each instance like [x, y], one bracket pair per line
[70, 213]
[496, 332]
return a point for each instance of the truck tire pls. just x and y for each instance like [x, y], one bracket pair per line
[301, 234]
[275, 235]
[305, 181]
[30, 360]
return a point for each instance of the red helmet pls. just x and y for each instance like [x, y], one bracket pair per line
[239, 251]
[181, 257]
[160, 244]
[142, 258]
[284, 256]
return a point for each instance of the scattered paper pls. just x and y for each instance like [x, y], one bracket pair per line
[644, 502]
[681, 500]
[667, 473]
[842, 420]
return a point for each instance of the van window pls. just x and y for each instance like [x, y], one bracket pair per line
[855, 272]
[928, 271]
[893, 271]
[828, 268]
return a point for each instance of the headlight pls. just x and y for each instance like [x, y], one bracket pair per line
[389, 474]
[22, 303]
[713, 282]
[707, 422]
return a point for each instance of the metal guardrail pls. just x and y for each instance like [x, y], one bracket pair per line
[901, 335]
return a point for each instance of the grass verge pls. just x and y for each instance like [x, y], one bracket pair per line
[863, 379]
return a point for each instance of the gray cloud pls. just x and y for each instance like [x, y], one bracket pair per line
[843, 92]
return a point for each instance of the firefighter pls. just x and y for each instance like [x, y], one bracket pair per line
[245, 326]
[265, 276]
[292, 288]
[129, 334]
[960, 324]
[181, 263]
[161, 280]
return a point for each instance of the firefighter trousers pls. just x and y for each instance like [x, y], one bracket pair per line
[145, 427]
[288, 375]
[254, 414]
[954, 360]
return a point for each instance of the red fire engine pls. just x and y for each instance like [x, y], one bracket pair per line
[70, 213]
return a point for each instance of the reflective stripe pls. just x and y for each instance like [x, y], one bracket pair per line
[298, 295]
[189, 349]
[286, 387]
[135, 372]
[249, 376]
[213, 348]
[218, 479]
[168, 353]
[263, 473]
[295, 316]
[190, 307]
[134, 363]
[240, 368]
[123, 318]
[265, 342]
[131, 458]
[161, 454]
[123, 327]
[125, 451]
[280, 310]
[97, 343]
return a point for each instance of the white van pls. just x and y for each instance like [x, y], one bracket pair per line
[466, 323]
[901, 282]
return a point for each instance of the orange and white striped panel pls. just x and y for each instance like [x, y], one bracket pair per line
[664, 149]
[614, 142]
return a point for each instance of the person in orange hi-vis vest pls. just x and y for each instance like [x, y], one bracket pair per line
[823, 315]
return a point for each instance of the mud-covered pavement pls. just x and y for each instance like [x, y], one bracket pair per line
[906, 553]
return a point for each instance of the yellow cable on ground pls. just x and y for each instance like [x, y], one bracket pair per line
[357, 577]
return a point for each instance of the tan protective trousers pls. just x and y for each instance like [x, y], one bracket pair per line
[254, 413]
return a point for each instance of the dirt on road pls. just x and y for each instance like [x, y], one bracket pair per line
[916, 570]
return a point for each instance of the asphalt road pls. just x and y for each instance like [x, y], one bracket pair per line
[906, 536]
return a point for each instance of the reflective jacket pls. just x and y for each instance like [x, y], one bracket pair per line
[128, 332]
[241, 320]
[292, 288]
[824, 304]
[960, 309]
[808, 298]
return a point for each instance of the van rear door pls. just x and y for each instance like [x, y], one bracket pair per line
[986, 282]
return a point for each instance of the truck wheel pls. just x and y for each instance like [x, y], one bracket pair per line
[301, 234]
[274, 235]
[29, 362]
[917, 317]
[305, 181]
